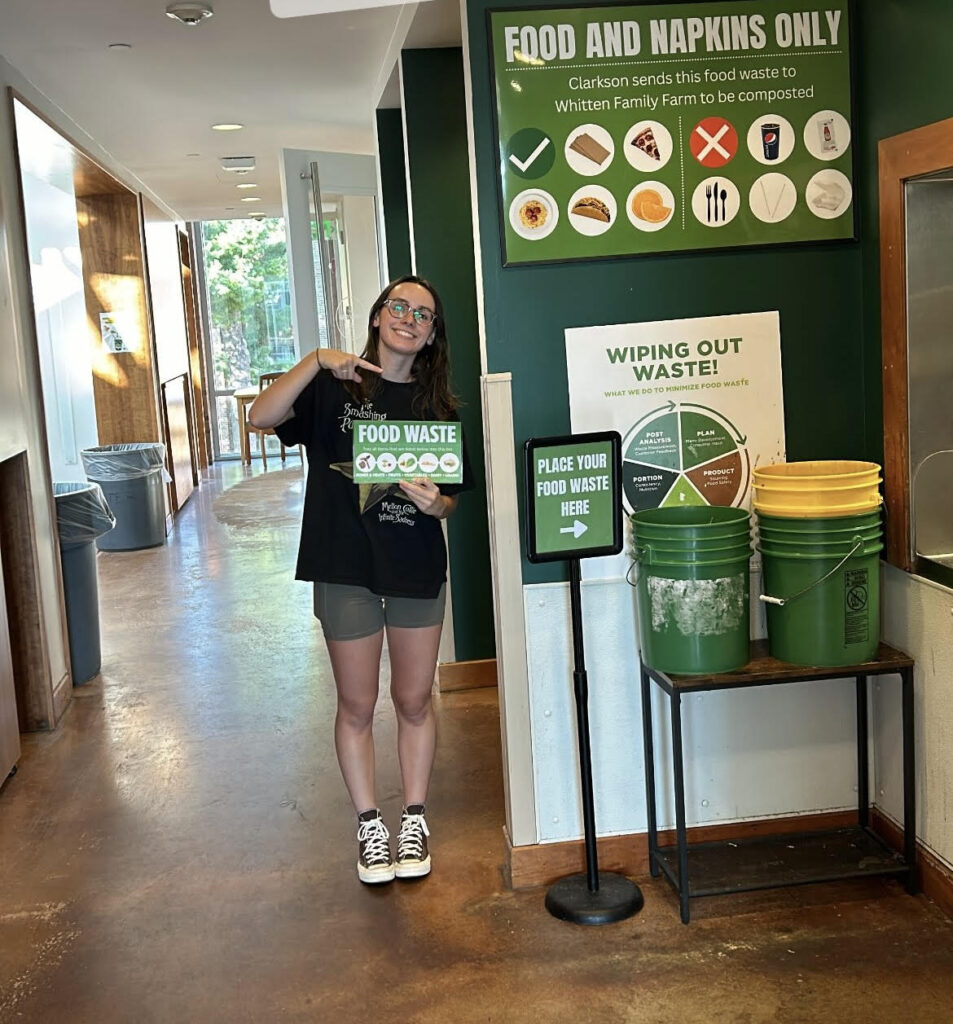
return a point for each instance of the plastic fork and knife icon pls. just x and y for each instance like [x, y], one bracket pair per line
[712, 192]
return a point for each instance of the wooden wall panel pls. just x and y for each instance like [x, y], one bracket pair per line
[124, 383]
[197, 368]
[175, 407]
[31, 663]
[9, 724]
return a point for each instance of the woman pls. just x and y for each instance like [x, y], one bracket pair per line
[381, 565]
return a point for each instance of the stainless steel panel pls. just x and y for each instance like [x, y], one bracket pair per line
[929, 243]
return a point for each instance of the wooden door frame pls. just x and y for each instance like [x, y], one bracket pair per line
[910, 155]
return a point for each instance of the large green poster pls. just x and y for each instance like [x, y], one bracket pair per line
[651, 128]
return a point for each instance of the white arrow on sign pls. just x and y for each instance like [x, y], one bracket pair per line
[577, 529]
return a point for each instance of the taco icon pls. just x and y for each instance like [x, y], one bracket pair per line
[449, 462]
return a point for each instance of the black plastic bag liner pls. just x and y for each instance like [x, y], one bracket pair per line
[82, 514]
[123, 461]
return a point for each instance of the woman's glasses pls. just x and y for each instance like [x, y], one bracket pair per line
[399, 309]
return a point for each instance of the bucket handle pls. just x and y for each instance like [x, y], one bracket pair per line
[636, 558]
[782, 601]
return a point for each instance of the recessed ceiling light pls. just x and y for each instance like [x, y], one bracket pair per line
[247, 184]
[120, 46]
[227, 126]
[251, 199]
[189, 14]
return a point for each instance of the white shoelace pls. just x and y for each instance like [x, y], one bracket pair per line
[374, 835]
[410, 839]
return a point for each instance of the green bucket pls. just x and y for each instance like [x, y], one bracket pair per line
[687, 525]
[823, 596]
[693, 588]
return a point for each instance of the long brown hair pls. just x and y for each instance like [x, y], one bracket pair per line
[433, 393]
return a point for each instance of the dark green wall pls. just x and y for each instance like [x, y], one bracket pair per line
[435, 116]
[817, 289]
[390, 154]
[904, 81]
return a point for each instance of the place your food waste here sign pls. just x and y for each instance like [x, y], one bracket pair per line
[573, 498]
[652, 128]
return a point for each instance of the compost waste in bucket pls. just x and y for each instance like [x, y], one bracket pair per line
[827, 577]
[692, 590]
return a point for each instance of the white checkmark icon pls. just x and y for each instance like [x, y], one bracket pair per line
[524, 165]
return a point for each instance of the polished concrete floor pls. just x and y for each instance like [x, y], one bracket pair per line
[181, 849]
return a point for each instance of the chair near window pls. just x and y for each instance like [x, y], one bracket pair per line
[263, 381]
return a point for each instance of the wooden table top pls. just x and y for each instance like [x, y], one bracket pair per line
[762, 668]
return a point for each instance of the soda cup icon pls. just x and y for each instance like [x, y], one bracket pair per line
[771, 140]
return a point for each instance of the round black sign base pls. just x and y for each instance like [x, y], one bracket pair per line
[617, 898]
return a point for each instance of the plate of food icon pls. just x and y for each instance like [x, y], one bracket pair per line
[650, 206]
[533, 214]
[592, 210]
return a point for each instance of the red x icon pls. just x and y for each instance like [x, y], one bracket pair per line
[713, 142]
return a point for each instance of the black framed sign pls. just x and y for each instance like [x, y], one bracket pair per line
[667, 127]
[573, 496]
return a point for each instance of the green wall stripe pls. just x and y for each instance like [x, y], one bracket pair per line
[435, 115]
[390, 154]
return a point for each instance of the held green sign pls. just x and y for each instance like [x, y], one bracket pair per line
[573, 496]
[634, 129]
[386, 451]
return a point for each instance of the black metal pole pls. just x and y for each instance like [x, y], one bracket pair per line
[581, 688]
[592, 898]
[863, 769]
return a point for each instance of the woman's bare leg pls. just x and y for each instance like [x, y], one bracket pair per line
[413, 661]
[356, 665]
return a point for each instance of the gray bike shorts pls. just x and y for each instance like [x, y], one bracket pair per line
[350, 613]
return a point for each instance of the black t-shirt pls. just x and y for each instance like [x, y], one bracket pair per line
[393, 548]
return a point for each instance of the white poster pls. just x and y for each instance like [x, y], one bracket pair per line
[698, 403]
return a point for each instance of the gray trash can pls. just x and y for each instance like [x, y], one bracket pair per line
[82, 515]
[132, 477]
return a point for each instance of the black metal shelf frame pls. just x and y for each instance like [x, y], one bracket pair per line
[798, 858]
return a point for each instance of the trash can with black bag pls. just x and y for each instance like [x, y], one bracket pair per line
[82, 515]
[132, 477]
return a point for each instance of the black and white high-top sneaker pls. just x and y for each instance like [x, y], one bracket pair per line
[413, 857]
[374, 863]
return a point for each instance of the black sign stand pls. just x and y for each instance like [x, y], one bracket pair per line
[596, 897]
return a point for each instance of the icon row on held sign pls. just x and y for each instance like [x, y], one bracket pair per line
[408, 463]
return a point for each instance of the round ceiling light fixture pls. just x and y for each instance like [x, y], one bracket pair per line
[189, 13]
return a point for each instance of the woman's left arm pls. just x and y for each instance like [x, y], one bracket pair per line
[425, 494]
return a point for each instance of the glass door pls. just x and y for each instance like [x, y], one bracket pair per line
[347, 266]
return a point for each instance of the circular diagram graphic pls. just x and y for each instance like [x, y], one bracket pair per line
[684, 454]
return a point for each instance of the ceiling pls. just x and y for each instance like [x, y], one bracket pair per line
[301, 83]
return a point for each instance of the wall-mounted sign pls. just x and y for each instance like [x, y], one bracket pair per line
[573, 500]
[698, 403]
[386, 451]
[117, 330]
[652, 128]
